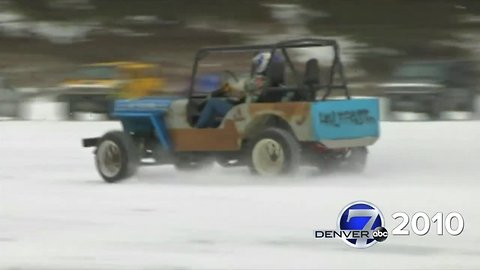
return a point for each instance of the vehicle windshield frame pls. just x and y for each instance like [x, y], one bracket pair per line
[281, 47]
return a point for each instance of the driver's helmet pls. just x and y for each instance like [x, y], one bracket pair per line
[260, 62]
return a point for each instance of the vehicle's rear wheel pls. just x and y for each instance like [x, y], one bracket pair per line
[274, 152]
[116, 156]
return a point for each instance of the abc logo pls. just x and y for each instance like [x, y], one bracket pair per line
[380, 234]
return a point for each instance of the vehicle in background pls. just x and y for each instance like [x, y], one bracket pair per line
[94, 87]
[10, 99]
[432, 87]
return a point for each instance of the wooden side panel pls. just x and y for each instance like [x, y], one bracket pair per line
[206, 139]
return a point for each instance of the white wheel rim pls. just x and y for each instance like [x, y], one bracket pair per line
[109, 158]
[268, 157]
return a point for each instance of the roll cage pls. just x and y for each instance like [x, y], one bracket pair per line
[281, 47]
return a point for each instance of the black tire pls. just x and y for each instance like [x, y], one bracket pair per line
[283, 145]
[356, 160]
[127, 157]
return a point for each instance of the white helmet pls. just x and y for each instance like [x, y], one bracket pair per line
[260, 61]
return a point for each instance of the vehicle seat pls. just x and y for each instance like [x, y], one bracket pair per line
[312, 78]
[276, 74]
[276, 78]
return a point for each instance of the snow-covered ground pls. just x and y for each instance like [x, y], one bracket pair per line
[56, 213]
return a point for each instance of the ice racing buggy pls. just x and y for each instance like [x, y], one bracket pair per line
[288, 125]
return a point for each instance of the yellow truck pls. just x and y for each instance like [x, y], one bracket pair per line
[94, 87]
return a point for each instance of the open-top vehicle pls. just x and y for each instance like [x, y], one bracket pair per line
[292, 121]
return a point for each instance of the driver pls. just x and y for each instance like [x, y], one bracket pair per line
[235, 94]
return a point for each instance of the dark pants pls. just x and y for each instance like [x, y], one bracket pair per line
[215, 107]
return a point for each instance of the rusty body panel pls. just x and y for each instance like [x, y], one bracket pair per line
[296, 114]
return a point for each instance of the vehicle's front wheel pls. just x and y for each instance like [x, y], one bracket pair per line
[116, 156]
[274, 152]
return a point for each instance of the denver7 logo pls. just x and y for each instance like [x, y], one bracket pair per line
[360, 216]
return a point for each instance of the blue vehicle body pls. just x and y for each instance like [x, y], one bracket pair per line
[141, 115]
